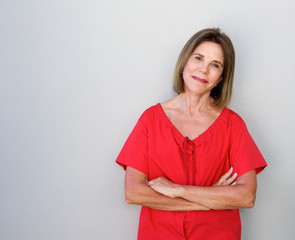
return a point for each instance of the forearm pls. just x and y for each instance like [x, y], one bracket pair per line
[142, 194]
[219, 197]
[241, 194]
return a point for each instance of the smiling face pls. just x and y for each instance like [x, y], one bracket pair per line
[204, 68]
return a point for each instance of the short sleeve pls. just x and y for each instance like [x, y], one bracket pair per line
[244, 154]
[135, 150]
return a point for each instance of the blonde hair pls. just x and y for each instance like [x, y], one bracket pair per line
[223, 91]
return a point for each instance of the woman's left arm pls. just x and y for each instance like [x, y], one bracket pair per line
[242, 194]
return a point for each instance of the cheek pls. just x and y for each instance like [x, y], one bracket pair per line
[216, 77]
[188, 69]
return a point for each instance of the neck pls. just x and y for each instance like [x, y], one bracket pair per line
[193, 103]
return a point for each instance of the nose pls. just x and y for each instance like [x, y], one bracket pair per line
[204, 67]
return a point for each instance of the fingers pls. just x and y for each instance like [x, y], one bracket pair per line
[230, 180]
[164, 186]
[227, 178]
[229, 172]
[151, 183]
[157, 181]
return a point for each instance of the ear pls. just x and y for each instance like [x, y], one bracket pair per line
[220, 79]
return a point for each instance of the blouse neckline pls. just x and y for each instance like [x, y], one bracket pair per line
[216, 122]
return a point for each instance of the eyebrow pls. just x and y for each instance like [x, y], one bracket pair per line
[203, 56]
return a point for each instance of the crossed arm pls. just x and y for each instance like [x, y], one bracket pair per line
[163, 194]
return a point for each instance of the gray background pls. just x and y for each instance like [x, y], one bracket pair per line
[76, 76]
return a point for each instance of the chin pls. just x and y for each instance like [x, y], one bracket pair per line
[195, 90]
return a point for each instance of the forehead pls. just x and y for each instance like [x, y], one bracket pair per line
[210, 50]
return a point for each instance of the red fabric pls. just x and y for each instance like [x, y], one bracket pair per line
[156, 148]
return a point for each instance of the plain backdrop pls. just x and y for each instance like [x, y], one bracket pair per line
[76, 76]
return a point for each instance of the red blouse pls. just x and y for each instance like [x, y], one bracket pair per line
[156, 148]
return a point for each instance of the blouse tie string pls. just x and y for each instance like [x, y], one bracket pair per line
[194, 164]
[186, 140]
[185, 160]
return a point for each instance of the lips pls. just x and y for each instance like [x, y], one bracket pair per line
[201, 80]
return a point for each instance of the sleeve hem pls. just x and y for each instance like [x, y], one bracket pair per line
[257, 169]
[124, 166]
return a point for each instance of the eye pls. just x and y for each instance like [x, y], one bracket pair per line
[216, 65]
[198, 58]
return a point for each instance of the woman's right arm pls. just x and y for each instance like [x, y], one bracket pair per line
[138, 192]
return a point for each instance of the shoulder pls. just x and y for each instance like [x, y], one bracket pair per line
[152, 110]
[235, 119]
[234, 116]
[150, 114]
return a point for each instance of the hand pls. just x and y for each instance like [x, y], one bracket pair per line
[164, 186]
[227, 179]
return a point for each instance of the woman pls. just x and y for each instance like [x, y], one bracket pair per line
[191, 162]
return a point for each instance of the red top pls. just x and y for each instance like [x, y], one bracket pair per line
[156, 148]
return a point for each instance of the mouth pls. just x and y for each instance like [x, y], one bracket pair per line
[201, 80]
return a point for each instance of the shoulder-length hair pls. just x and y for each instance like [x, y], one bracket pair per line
[223, 91]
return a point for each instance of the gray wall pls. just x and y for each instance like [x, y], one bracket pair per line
[75, 77]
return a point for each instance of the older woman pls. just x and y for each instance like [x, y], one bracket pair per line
[191, 162]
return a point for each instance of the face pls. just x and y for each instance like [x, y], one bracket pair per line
[204, 68]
